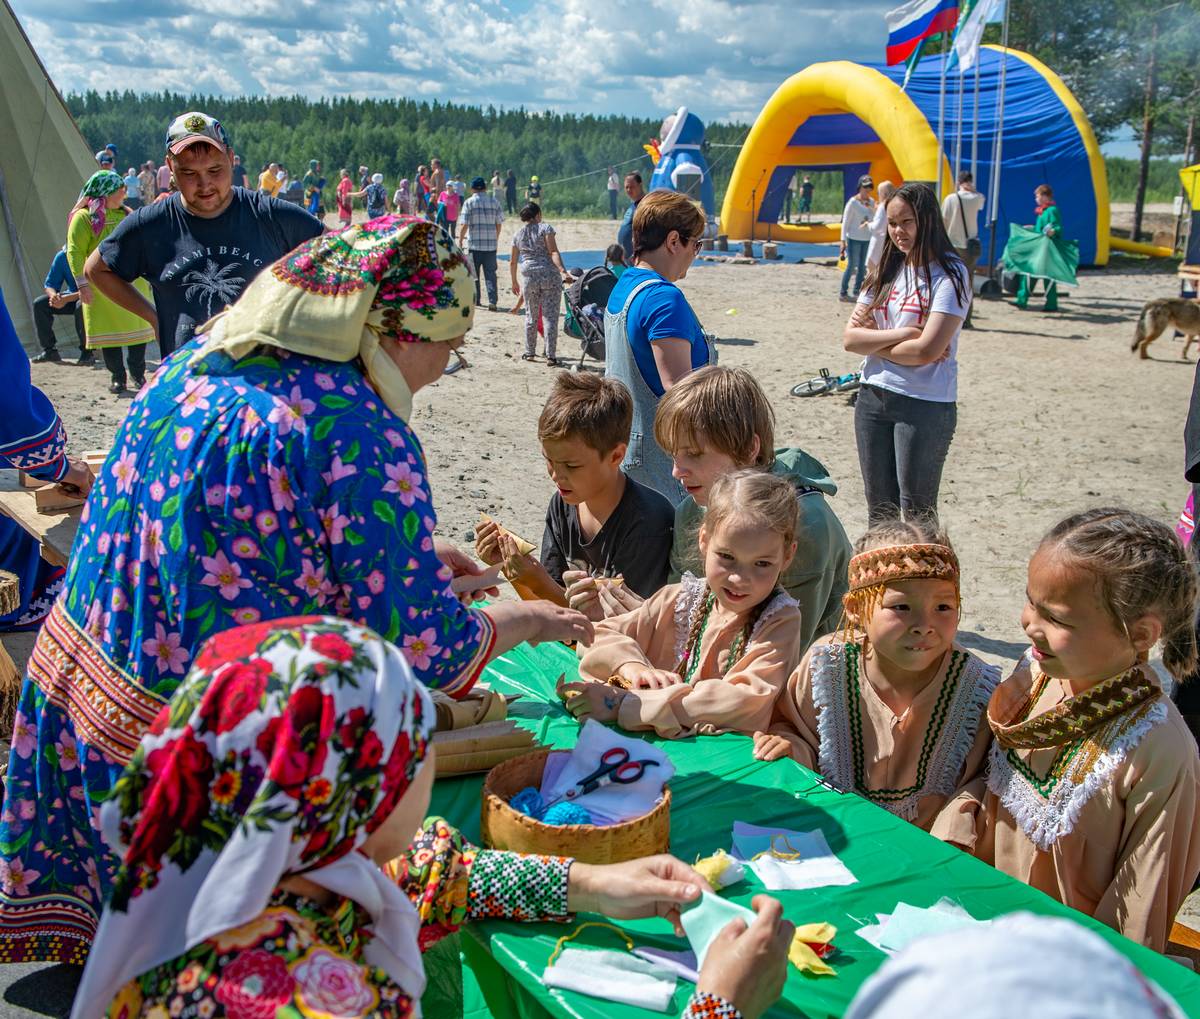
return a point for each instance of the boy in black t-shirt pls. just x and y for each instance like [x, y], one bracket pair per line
[600, 523]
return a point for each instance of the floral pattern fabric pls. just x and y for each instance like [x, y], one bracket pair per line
[301, 959]
[235, 492]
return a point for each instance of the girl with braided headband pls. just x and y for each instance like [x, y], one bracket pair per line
[891, 707]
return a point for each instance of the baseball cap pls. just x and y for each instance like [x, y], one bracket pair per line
[478, 184]
[190, 128]
[865, 181]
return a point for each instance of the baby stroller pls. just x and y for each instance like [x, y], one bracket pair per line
[586, 299]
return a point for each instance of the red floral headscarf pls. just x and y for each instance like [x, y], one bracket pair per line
[288, 743]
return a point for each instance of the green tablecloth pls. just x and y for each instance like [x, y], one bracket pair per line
[717, 781]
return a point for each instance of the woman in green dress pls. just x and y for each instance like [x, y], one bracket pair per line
[1041, 252]
[98, 211]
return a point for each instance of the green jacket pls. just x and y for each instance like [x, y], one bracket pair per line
[817, 575]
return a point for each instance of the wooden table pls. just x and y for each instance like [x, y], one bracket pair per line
[55, 531]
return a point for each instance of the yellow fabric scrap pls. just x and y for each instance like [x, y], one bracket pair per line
[712, 867]
[803, 957]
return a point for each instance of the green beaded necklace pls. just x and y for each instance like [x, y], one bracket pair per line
[692, 654]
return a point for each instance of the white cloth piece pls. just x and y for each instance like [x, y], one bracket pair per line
[614, 802]
[1017, 965]
[613, 976]
[817, 867]
[906, 924]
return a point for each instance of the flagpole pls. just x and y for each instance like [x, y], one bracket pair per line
[959, 127]
[998, 148]
[975, 126]
[941, 117]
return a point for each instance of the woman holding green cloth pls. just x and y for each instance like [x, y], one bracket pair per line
[109, 327]
[275, 862]
[1041, 252]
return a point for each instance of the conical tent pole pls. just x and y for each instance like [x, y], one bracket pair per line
[998, 148]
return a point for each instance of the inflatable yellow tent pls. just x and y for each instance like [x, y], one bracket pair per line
[858, 119]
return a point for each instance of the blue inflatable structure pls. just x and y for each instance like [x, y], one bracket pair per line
[681, 166]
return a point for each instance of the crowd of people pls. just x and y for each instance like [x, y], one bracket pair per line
[226, 716]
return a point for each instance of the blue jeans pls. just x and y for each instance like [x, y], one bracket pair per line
[902, 446]
[485, 267]
[856, 262]
[612, 203]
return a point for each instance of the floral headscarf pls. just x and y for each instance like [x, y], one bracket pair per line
[95, 189]
[289, 742]
[334, 296]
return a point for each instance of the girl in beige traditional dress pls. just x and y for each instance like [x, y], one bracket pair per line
[709, 654]
[1093, 777]
[891, 707]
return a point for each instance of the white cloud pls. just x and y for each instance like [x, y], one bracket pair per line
[641, 57]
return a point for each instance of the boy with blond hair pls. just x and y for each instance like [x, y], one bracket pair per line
[600, 522]
[718, 420]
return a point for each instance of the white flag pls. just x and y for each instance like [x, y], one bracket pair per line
[970, 31]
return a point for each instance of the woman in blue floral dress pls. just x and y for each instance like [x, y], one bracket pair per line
[268, 470]
[267, 872]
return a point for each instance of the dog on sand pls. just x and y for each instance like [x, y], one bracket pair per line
[1180, 312]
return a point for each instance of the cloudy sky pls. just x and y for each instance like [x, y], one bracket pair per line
[722, 58]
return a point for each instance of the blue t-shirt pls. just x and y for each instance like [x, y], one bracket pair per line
[197, 266]
[133, 186]
[60, 275]
[659, 312]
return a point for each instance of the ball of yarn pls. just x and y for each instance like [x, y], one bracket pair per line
[566, 813]
[529, 802]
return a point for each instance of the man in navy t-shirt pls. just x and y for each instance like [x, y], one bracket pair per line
[198, 248]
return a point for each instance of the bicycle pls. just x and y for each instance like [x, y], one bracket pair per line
[827, 383]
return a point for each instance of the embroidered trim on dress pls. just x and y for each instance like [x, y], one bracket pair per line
[833, 722]
[966, 686]
[1044, 818]
[687, 603]
[109, 709]
[782, 600]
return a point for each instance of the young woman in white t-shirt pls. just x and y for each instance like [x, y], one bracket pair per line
[906, 323]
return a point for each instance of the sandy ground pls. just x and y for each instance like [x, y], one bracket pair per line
[1055, 413]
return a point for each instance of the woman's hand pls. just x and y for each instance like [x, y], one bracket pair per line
[583, 594]
[84, 289]
[516, 287]
[588, 699]
[78, 479]
[770, 747]
[547, 621]
[863, 317]
[643, 677]
[462, 565]
[747, 966]
[653, 886]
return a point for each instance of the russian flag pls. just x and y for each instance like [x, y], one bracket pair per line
[909, 23]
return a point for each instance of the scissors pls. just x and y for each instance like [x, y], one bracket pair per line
[615, 768]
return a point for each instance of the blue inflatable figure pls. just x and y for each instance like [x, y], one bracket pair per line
[681, 165]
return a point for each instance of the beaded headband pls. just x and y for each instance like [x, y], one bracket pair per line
[903, 562]
[871, 571]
